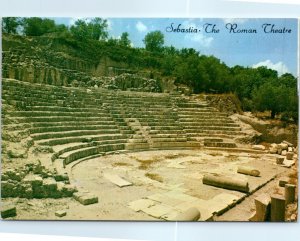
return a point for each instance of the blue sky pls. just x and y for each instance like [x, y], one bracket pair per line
[274, 50]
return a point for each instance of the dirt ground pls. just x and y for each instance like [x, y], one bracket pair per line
[151, 173]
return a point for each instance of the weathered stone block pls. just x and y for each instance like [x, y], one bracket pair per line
[277, 208]
[288, 143]
[8, 211]
[34, 180]
[85, 198]
[262, 204]
[60, 213]
[273, 150]
[50, 184]
[279, 160]
[283, 181]
[61, 177]
[289, 193]
[289, 155]
[7, 189]
[283, 146]
[259, 147]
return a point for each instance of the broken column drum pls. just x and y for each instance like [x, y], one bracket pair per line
[226, 182]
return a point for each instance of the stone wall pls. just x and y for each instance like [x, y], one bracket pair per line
[224, 102]
[35, 181]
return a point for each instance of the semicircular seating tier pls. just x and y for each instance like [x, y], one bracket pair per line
[82, 123]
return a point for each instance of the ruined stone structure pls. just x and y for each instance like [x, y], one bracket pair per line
[59, 111]
[79, 123]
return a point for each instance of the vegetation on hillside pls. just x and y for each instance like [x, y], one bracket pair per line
[258, 89]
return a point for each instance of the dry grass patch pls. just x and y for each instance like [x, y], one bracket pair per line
[215, 154]
[146, 164]
[121, 164]
[154, 176]
[173, 156]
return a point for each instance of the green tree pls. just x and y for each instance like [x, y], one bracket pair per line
[38, 26]
[124, 40]
[10, 25]
[271, 98]
[95, 29]
[154, 41]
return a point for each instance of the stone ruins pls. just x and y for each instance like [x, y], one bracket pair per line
[98, 152]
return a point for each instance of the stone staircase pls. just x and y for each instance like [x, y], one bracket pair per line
[206, 124]
[79, 124]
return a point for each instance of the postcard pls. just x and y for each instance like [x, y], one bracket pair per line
[149, 119]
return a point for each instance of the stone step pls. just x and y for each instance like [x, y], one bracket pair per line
[220, 144]
[67, 109]
[71, 128]
[171, 145]
[212, 133]
[137, 140]
[51, 113]
[137, 146]
[90, 151]
[168, 135]
[85, 139]
[60, 119]
[170, 139]
[61, 150]
[73, 123]
[52, 135]
[217, 128]
[209, 140]
[167, 127]
[209, 124]
[203, 119]
[161, 131]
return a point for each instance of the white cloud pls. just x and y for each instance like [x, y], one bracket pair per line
[235, 20]
[141, 27]
[280, 67]
[200, 38]
[109, 24]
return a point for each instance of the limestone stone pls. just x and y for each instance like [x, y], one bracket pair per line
[259, 147]
[283, 146]
[226, 182]
[283, 181]
[277, 208]
[88, 199]
[247, 170]
[288, 143]
[141, 204]
[117, 180]
[262, 205]
[289, 193]
[283, 153]
[34, 180]
[273, 150]
[157, 210]
[279, 160]
[8, 211]
[290, 149]
[191, 214]
[61, 177]
[60, 213]
[289, 155]
[165, 199]
[279, 150]
[50, 183]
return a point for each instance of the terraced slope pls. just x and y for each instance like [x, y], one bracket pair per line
[81, 123]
